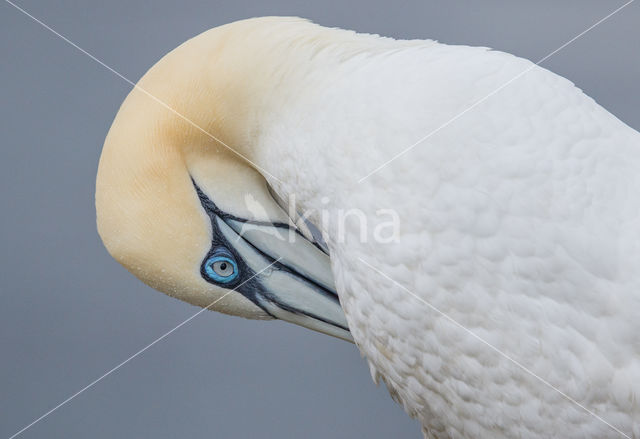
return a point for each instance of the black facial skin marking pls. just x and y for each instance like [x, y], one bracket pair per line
[210, 207]
[247, 283]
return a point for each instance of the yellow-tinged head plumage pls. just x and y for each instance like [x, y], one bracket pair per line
[171, 196]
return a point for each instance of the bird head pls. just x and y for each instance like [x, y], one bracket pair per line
[182, 209]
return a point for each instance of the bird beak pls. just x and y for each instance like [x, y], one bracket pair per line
[298, 286]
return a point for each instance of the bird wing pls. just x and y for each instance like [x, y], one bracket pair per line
[518, 199]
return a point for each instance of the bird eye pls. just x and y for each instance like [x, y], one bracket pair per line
[220, 267]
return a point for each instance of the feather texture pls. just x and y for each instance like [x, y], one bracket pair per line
[519, 219]
[506, 307]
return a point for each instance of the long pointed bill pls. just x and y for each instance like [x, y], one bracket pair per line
[299, 287]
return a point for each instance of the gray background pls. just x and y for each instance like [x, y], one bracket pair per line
[69, 313]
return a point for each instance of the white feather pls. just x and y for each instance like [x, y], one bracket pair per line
[519, 220]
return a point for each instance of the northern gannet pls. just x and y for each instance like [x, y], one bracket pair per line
[518, 242]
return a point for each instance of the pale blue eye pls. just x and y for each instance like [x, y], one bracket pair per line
[220, 267]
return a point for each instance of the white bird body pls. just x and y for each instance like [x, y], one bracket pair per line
[508, 306]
